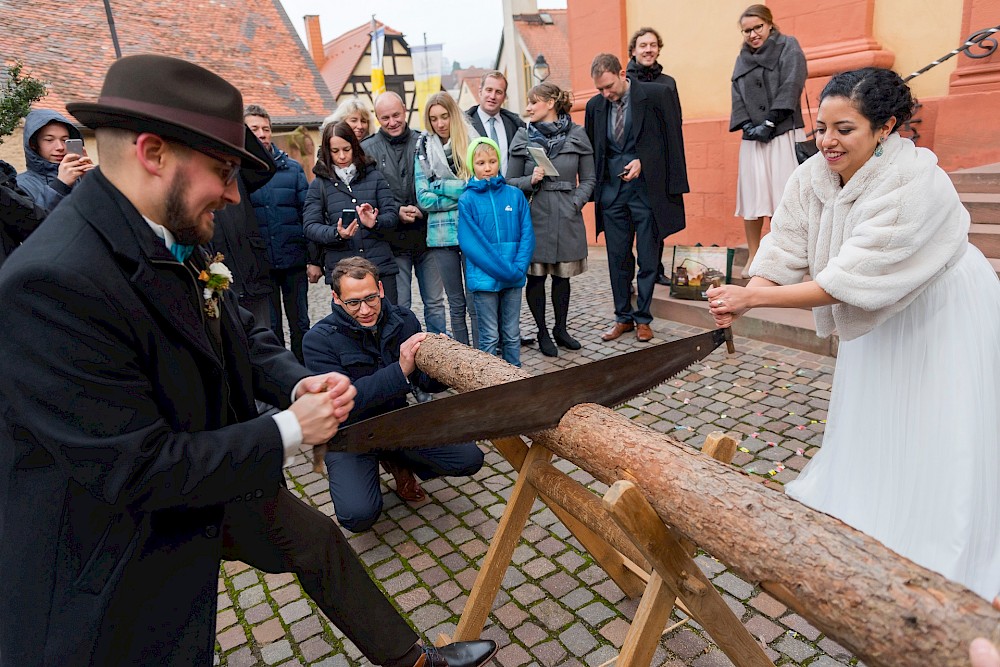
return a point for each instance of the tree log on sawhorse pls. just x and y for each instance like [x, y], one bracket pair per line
[884, 608]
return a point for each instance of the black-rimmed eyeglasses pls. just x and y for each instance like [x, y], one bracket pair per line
[355, 304]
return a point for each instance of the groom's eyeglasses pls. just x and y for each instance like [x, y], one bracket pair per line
[355, 304]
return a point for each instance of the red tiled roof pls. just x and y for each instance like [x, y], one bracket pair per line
[343, 53]
[250, 43]
[472, 82]
[549, 39]
[459, 75]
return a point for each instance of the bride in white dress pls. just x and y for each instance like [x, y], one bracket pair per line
[911, 453]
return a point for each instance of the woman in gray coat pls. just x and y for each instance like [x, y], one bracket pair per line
[560, 235]
[768, 80]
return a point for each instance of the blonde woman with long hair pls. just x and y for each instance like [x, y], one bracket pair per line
[440, 174]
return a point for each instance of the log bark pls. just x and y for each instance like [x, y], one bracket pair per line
[884, 608]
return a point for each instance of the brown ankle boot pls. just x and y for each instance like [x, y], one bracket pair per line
[407, 486]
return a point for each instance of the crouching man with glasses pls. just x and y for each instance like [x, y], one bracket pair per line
[374, 343]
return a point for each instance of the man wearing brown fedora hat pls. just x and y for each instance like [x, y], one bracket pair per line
[132, 457]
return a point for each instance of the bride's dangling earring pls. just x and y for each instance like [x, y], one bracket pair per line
[880, 148]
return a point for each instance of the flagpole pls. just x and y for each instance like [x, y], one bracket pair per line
[111, 24]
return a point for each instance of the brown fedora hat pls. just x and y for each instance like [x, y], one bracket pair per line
[175, 99]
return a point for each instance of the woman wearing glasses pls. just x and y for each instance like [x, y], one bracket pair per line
[349, 206]
[768, 79]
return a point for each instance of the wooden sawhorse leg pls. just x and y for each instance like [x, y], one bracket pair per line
[624, 571]
[676, 577]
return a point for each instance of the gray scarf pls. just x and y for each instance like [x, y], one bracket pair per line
[438, 163]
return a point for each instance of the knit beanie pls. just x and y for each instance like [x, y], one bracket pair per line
[472, 150]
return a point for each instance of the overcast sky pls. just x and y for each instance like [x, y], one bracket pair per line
[470, 31]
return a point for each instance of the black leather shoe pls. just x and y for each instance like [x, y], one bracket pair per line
[459, 654]
[662, 279]
[421, 395]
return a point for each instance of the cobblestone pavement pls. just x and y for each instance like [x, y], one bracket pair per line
[556, 606]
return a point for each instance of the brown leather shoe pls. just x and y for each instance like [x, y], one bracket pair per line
[407, 486]
[643, 333]
[617, 330]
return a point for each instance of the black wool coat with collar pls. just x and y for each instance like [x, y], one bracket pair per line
[125, 431]
[657, 127]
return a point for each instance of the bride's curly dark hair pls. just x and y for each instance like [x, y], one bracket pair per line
[877, 93]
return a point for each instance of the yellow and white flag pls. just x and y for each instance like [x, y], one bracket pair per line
[426, 72]
[378, 73]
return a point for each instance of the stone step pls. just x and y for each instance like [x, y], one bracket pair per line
[984, 179]
[791, 327]
[986, 238]
[984, 207]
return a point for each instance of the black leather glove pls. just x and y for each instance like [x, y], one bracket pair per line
[763, 132]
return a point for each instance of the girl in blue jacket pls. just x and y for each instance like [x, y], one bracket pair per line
[496, 238]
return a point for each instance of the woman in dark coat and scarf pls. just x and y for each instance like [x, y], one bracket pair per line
[560, 235]
[768, 79]
[347, 180]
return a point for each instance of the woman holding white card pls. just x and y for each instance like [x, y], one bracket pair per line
[556, 201]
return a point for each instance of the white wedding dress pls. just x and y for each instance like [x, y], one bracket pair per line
[911, 453]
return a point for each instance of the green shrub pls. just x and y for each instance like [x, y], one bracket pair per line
[16, 96]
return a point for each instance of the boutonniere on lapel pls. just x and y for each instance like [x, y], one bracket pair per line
[217, 278]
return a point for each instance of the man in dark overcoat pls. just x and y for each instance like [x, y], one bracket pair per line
[635, 129]
[132, 458]
[644, 51]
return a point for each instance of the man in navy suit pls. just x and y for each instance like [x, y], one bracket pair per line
[635, 129]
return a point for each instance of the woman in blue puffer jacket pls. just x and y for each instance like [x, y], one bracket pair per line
[346, 180]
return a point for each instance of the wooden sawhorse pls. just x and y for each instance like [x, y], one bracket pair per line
[621, 533]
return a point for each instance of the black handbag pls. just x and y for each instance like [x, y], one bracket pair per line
[806, 149]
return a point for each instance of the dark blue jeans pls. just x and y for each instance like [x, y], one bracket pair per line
[445, 274]
[354, 478]
[431, 289]
[291, 287]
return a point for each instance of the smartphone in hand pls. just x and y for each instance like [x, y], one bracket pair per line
[74, 146]
[347, 216]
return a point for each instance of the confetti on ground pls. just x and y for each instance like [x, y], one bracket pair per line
[744, 450]
[801, 427]
[800, 451]
[772, 473]
[754, 435]
[772, 444]
[779, 467]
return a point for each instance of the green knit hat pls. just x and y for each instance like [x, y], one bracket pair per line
[472, 150]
